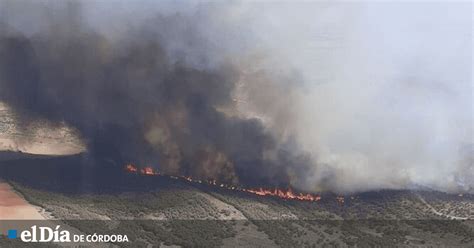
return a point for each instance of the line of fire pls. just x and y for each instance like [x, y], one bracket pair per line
[288, 194]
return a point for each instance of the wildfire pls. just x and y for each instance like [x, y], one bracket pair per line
[131, 168]
[288, 194]
[148, 171]
[144, 171]
[284, 194]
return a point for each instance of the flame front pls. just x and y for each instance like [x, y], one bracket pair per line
[288, 194]
[148, 171]
[280, 193]
[131, 168]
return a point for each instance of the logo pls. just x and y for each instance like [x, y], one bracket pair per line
[44, 234]
[12, 234]
[47, 234]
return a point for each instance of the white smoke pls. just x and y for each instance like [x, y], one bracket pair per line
[388, 99]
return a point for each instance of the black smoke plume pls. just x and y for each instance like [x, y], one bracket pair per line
[132, 102]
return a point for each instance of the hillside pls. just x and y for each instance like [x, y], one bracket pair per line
[174, 212]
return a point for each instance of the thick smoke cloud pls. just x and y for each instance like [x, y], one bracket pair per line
[389, 91]
[343, 96]
[132, 101]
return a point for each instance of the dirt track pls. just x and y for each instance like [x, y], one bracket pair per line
[15, 207]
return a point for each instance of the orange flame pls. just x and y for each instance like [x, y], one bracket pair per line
[284, 194]
[145, 170]
[131, 168]
[148, 171]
